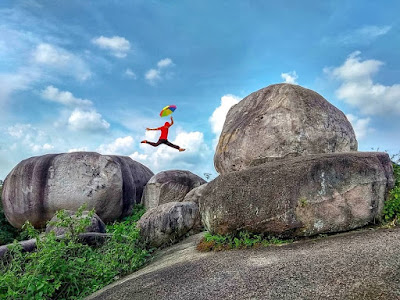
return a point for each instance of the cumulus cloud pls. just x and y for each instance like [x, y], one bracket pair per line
[80, 149]
[359, 90]
[121, 146]
[118, 46]
[360, 125]
[60, 59]
[63, 97]
[360, 36]
[290, 77]
[153, 75]
[164, 63]
[218, 117]
[89, 120]
[161, 72]
[129, 73]
[30, 137]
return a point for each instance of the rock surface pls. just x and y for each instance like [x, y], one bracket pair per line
[353, 266]
[97, 225]
[168, 222]
[281, 120]
[299, 196]
[39, 186]
[195, 194]
[169, 186]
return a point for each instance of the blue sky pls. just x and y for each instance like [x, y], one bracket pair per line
[92, 75]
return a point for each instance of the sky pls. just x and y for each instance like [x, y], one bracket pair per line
[93, 75]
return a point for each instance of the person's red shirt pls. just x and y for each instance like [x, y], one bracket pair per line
[164, 131]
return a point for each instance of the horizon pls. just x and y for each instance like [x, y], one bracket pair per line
[80, 76]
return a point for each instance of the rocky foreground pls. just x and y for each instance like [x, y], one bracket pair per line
[357, 265]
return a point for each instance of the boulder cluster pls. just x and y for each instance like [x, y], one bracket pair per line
[288, 166]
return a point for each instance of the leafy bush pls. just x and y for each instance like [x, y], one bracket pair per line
[242, 240]
[391, 210]
[7, 232]
[67, 269]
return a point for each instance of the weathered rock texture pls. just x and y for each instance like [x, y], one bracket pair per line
[195, 194]
[281, 120]
[168, 222]
[39, 186]
[169, 186]
[97, 225]
[299, 196]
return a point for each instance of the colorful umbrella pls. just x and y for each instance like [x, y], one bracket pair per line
[166, 111]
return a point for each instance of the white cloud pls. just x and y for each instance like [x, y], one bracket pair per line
[360, 125]
[63, 97]
[89, 120]
[129, 73]
[121, 146]
[138, 157]
[152, 76]
[22, 79]
[40, 148]
[30, 138]
[360, 36]
[373, 31]
[119, 46]
[358, 89]
[164, 63]
[218, 117]
[60, 59]
[80, 149]
[155, 75]
[290, 77]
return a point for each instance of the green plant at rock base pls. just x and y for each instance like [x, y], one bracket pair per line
[391, 210]
[242, 240]
[67, 269]
[7, 232]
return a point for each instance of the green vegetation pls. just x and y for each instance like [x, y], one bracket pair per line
[7, 232]
[391, 210]
[242, 240]
[68, 269]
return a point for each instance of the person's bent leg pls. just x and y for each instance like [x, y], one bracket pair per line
[154, 144]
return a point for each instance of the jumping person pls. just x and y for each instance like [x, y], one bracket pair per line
[164, 136]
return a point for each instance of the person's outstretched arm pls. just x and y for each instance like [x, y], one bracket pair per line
[172, 121]
[152, 128]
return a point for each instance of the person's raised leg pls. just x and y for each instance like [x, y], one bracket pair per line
[151, 143]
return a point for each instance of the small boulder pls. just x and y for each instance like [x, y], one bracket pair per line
[97, 225]
[169, 186]
[195, 194]
[303, 196]
[168, 222]
[281, 121]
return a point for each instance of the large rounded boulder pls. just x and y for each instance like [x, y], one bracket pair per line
[301, 196]
[39, 186]
[281, 121]
[169, 186]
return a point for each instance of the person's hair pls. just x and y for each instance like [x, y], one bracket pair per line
[166, 123]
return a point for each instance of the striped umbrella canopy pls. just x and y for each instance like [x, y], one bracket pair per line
[166, 111]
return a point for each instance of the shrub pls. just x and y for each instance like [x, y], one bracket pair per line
[391, 210]
[67, 269]
[243, 239]
[7, 232]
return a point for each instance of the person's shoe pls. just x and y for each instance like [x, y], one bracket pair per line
[181, 149]
[144, 142]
